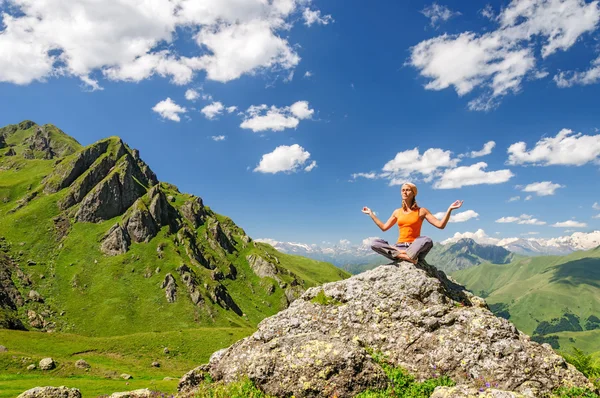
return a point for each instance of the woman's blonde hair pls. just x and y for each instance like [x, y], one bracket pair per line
[414, 205]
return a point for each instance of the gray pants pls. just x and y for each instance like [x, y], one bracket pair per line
[415, 250]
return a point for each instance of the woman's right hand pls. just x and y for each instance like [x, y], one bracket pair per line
[366, 210]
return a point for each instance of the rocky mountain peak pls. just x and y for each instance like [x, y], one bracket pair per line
[324, 343]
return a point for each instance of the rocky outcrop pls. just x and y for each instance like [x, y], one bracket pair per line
[191, 281]
[463, 391]
[10, 152]
[422, 322]
[2, 142]
[170, 287]
[216, 234]
[262, 267]
[193, 210]
[116, 241]
[51, 392]
[187, 239]
[10, 298]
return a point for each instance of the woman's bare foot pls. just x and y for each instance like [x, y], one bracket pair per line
[403, 256]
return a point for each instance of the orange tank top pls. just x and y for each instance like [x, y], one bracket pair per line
[409, 225]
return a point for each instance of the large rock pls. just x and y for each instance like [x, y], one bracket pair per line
[419, 319]
[51, 392]
[463, 391]
[116, 241]
[193, 211]
[142, 393]
[47, 364]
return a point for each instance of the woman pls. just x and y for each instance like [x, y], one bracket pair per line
[410, 246]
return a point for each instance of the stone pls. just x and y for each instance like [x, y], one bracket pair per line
[422, 321]
[3, 349]
[126, 376]
[141, 393]
[31, 262]
[155, 364]
[51, 392]
[82, 364]
[35, 296]
[47, 364]
[31, 367]
[166, 350]
[170, 287]
[116, 241]
[462, 391]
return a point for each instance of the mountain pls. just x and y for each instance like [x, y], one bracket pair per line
[457, 255]
[536, 246]
[554, 298]
[92, 243]
[351, 336]
[466, 253]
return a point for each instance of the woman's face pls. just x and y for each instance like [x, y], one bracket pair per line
[407, 193]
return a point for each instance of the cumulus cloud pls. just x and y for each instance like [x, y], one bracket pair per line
[564, 149]
[261, 118]
[438, 14]
[596, 206]
[570, 224]
[528, 197]
[496, 62]
[522, 219]
[471, 175]
[571, 78]
[191, 94]
[231, 109]
[314, 16]
[167, 109]
[411, 161]
[514, 199]
[544, 188]
[213, 110]
[486, 150]
[285, 159]
[458, 217]
[478, 236]
[596, 216]
[308, 74]
[128, 40]
[368, 176]
[218, 138]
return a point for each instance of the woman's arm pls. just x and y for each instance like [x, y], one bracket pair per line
[384, 227]
[441, 224]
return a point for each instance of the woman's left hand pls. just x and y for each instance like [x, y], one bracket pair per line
[455, 205]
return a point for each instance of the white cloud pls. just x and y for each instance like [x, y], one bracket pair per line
[218, 137]
[596, 206]
[488, 12]
[231, 109]
[301, 110]
[308, 74]
[314, 16]
[522, 219]
[213, 110]
[471, 175]
[479, 236]
[596, 216]
[497, 62]
[411, 161]
[570, 224]
[286, 159]
[514, 199]
[564, 149]
[311, 166]
[167, 109]
[191, 94]
[486, 150]
[528, 197]
[544, 188]
[262, 118]
[125, 40]
[369, 176]
[458, 217]
[571, 78]
[437, 13]
[345, 242]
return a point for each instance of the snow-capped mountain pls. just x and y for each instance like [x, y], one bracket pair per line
[535, 246]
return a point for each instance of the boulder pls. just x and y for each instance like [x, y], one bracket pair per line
[35, 296]
[193, 210]
[51, 392]
[170, 287]
[413, 314]
[47, 364]
[142, 393]
[3, 349]
[463, 391]
[126, 376]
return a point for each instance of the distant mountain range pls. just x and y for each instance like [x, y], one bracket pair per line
[455, 253]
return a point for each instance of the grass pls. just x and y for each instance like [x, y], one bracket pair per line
[109, 357]
[537, 289]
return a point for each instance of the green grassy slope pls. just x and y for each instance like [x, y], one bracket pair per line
[548, 289]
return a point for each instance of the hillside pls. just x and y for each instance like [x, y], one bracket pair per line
[93, 244]
[544, 295]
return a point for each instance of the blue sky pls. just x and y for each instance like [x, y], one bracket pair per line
[357, 97]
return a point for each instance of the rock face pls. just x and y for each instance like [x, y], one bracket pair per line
[51, 392]
[414, 315]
